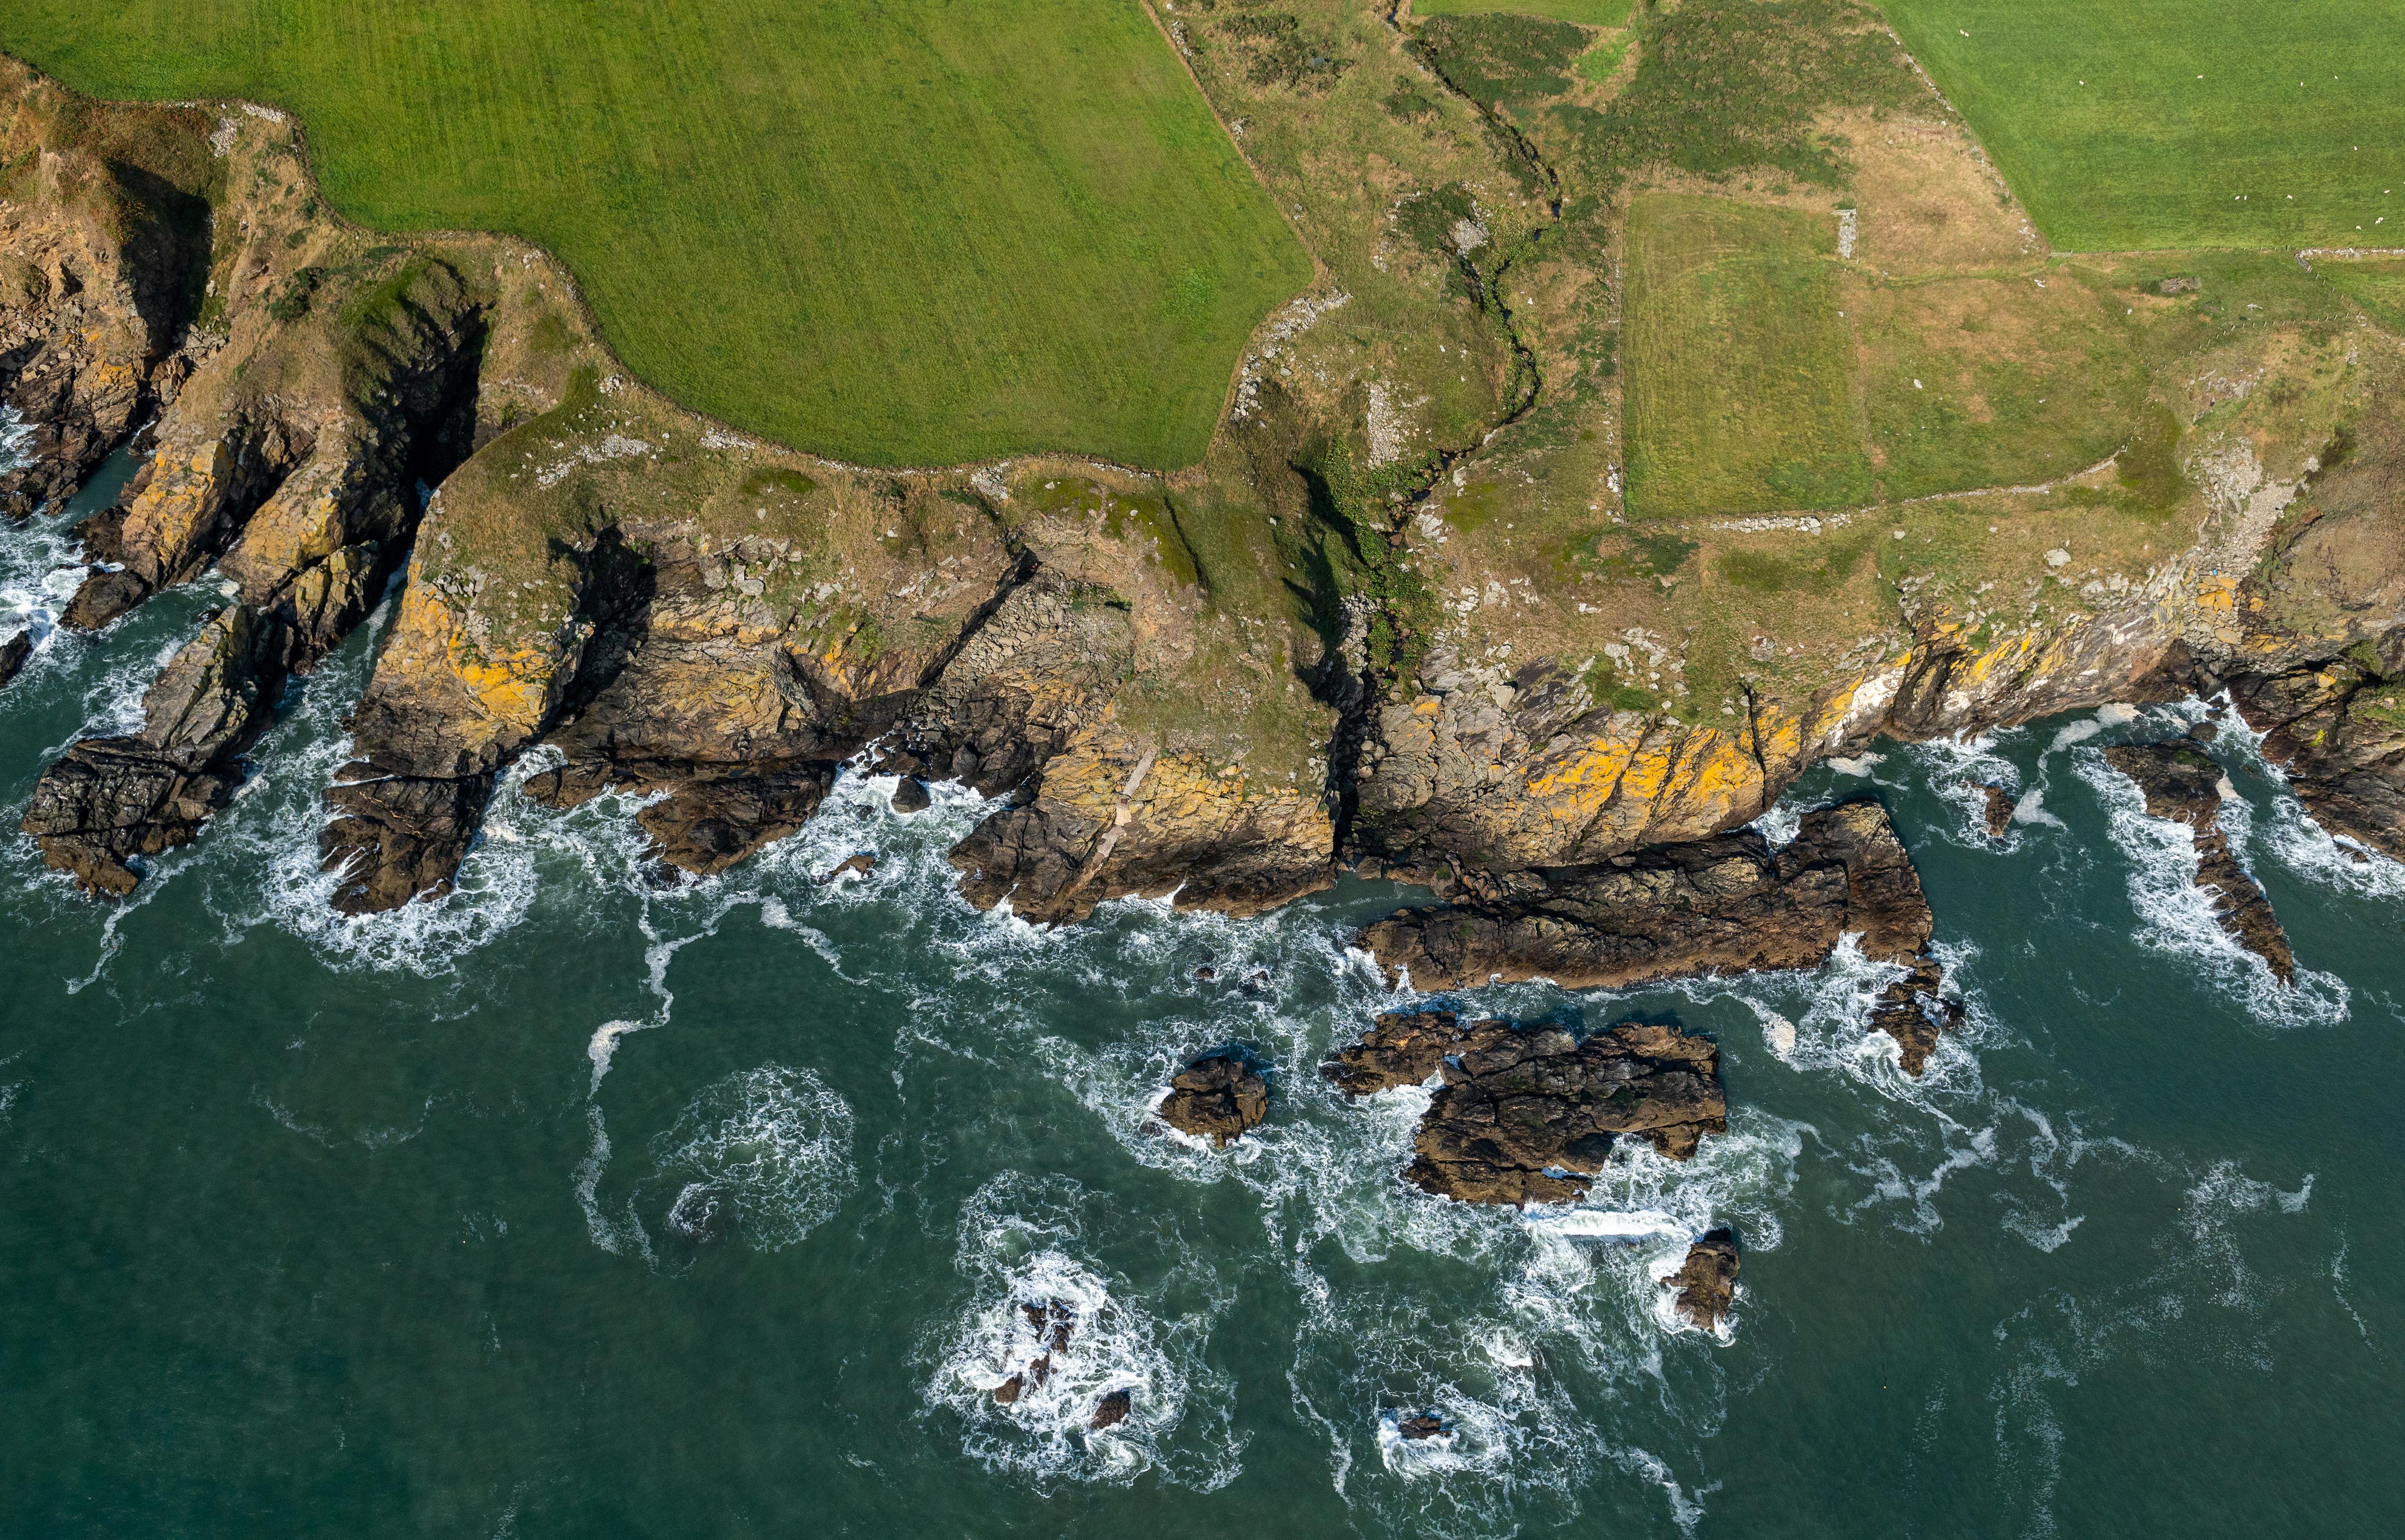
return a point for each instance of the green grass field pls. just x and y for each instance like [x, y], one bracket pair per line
[2145, 124]
[1738, 387]
[1591, 13]
[907, 232]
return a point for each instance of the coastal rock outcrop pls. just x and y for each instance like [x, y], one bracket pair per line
[1706, 1282]
[1728, 904]
[1528, 1114]
[2181, 783]
[104, 251]
[1217, 1096]
[108, 803]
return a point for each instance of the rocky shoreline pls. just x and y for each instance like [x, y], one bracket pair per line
[2181, 784]
[667, 607]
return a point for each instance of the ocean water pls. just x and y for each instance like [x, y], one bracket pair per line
[575, 1206]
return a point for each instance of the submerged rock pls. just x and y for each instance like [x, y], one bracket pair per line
[1707, 1280]
[1111, 1411]
[1217, 1096]
[862, 863]
[2181, 784]
[1729, 905]
[1420, 1425]
[1528, 1114]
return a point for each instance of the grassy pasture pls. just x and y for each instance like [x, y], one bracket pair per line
[1738, 395]
[2148, 125]
[914, 232]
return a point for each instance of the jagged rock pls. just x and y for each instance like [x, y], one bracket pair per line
[1112, 1409]
[13, 653]
[862, 863]
[1707, 1280]
[104, 594]
[1420, 1425]
[706, 826]
[2181, 783]
[1008, 1391]
[912, 796]
[395, 838]
[1724, 906]
[1527, 1114]
[1998, 809]
[103, 260]
[1217, 1096]
[2339, 732]
[109, 802]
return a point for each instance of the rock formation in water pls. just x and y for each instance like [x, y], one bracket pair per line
[1730, 904]
[1217, 1096]
[1528, 1114]
[1706, 1282]
[13, 654]
[2183, 784]
[1112, 1410]
[1998, 813]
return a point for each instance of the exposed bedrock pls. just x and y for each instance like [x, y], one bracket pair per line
[104, 251]
[1528, 1114]
[109, 803]
[2183, 784]
[1728, 904]
[1706, 1282]
[287, 463]
[1218, 1096]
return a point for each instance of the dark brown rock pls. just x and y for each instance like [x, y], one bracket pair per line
[1528, 1114]
[395, 838]
[1707, 1280]
[912, 796]
[13, 653]
[1112, 1409]
[1999, 810]
[1420, 1425]
[1729, 905]
[1217, 1098]
[2181, 783]
[706, 826]
[862, 863]
[107, 803]
[104, 595]
[2339, 732]
[1008, 1390]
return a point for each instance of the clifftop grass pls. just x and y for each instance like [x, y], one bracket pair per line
[914, 233]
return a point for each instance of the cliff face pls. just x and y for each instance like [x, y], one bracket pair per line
[105, 241]
[1354, 638]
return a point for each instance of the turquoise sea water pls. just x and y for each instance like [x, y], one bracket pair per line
[313, 1226]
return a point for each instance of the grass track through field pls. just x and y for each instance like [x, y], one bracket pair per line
[897, 231]
[1591, 13]
[2142, 125]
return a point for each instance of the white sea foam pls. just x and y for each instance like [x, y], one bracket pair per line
[2176, 916]
[767, 1152]
[1025, 1244]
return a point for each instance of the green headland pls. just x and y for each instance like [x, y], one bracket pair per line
[900, 232]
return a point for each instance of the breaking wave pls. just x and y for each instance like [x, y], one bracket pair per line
[1050, 1344]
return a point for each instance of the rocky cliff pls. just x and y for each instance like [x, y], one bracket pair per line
[1404, 619]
